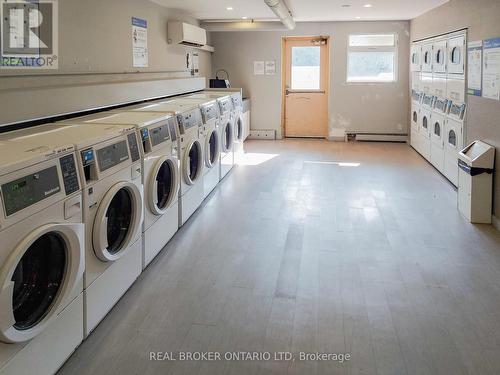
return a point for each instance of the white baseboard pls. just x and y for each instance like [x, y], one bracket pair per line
[382, 137]
[262, 134]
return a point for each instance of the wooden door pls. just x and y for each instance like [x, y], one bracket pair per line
[305, 88]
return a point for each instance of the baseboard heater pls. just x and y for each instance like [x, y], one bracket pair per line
[372, 137]
[262, 134]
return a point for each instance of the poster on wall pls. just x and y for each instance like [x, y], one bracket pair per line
[270, 68]
[491, 69]
[258, 68]
[140, 43]
[475, 68]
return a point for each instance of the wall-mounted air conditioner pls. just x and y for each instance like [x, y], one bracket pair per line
[186, 34]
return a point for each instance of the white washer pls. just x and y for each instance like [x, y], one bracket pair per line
[190, 144]
[226, 127]
[453, 140]
[41, 257]
[425, 125]
[437, 133]
[110, 165]
[160, 177]
[211, 141]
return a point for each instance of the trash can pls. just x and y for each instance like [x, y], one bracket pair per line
[475, 181]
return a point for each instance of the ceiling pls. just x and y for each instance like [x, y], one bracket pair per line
[305, 10]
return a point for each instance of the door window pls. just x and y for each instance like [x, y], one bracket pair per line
[439, 56]
[452, 138]
[239, 129]
[212, 147]
[306, 68]
[437, 129]
[164, 184]
[228, 137]
[37, 280]
[415, 116]
[119, 220]
[194, 161]
[455, 55]
[424, 122]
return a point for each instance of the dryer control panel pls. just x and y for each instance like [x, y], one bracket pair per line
[189, 120]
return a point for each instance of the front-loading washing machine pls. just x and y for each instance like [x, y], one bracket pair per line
[190, 144]
[226, 128]
[110, 165]
[41, 257]
[437, 133]
[211, 141]
[160, 177]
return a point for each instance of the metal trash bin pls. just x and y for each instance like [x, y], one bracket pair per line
[475, 181]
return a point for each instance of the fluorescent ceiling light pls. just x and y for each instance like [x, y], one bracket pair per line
[244, 17]
[367, 5]
[229, 8]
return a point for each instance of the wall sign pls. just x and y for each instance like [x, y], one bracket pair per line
[475, 68]
[258, 68]
[491, 69]
[139, 43]
[271, 68]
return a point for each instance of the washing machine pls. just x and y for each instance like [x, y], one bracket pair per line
[453, 140]
[110, 165]
[211, 141]
[41, 257]
[226, 127]
[425, 126]
[437, 133]
[160, 166]
[190, 145]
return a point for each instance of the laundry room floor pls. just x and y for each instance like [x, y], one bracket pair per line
[313, 246]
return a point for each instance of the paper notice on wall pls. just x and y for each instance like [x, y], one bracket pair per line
[491, 69]
[270, 68]
[475, 67]
[196, 63]
[259, 68]
[140, 42]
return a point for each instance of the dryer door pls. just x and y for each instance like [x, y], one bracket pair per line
[227, 137]
[439, 56]
[212, 149]
[238, 129]
[37, 279]
[117, 221]
[192, 166]
[163, 185]
[427, 58]
[456, 55]
[416, 51]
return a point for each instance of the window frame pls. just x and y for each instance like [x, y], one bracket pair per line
[393, 49]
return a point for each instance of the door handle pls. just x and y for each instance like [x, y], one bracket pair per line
[287, 92]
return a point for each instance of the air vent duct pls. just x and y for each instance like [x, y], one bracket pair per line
[281, 10]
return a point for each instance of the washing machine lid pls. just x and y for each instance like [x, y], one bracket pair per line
[38, 278]
[171, 106]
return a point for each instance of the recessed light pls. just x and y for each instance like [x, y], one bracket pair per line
[346, 5]
[358, 17]
[229, 8]
[367, 5]
[244, 18]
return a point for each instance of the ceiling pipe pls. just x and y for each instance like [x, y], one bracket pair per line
[281, 10]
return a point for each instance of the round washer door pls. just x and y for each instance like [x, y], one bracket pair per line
[37, 278]
[227, 137]
[212, 149]
[193, 162]
[163, 185]
[117, 221]
[239, 129]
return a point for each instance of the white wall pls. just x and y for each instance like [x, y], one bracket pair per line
[95, 49]
[372, 108]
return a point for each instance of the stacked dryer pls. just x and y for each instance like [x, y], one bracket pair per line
[160, 166]
[416, 95]
[41, 257]
[440, 131]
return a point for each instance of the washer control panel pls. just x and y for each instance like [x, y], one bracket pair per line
[69, 174]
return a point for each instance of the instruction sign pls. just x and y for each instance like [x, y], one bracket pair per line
[271, 68]
[475, 68]
[491, 69]
[259, 68]
[140, 42]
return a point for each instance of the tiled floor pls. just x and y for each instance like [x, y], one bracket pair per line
[296, 252]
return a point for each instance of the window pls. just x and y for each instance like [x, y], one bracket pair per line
[306, 68]
[372, 58]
